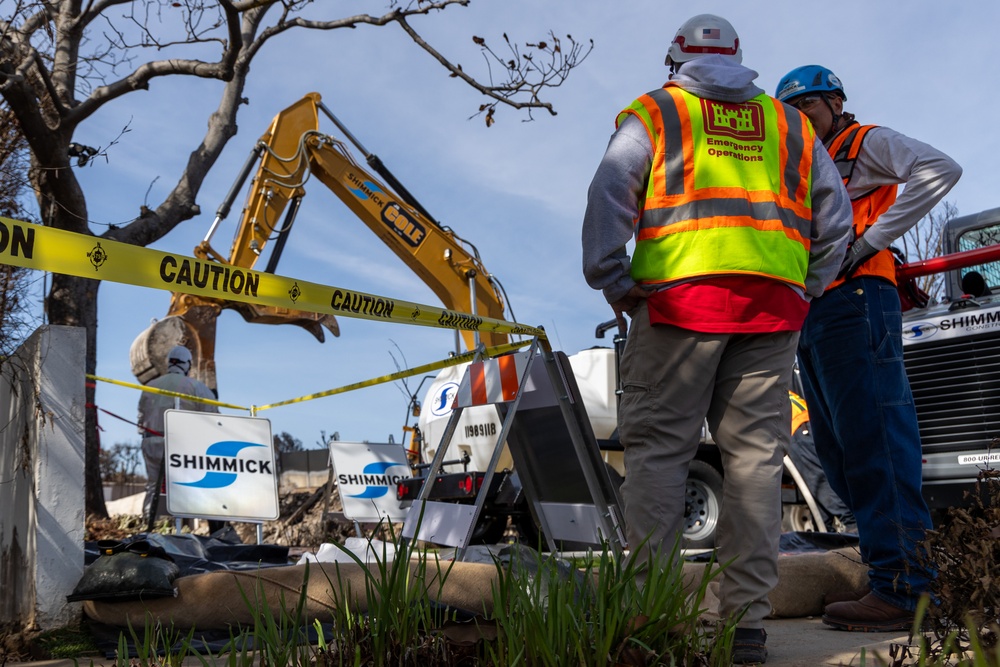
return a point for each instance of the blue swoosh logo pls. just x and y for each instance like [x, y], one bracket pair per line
[361, 194]
[919, 330]
[212, 480]
[229, 447]
[444, 398]
[218, 480]
[371, 492]
[376, 468]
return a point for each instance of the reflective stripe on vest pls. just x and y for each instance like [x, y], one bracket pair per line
[844, 150]
[728, 191]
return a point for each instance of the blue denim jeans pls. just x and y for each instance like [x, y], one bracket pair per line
[865, 427]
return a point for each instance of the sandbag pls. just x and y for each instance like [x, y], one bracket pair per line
[215, 600]
[803, 580]
[127, 575]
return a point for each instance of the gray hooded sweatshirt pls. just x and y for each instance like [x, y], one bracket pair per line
[615, 194]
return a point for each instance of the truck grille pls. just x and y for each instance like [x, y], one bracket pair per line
[956, 388]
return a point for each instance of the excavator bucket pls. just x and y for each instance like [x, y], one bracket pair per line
[195, 328]
[148, 354]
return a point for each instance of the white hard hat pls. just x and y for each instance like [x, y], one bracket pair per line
[179, 356]
[703, 35]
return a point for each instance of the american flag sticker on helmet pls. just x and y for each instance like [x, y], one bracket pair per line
[492, 381]
[710, 33]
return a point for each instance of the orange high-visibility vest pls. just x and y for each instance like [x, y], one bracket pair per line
[867, 207]
[729, 190]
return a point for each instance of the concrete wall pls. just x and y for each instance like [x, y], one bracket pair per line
[42, 522]
[306, 469]
[118, 490]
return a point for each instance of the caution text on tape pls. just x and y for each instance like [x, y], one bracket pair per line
[59, 251]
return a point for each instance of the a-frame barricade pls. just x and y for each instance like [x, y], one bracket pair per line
[556, 457]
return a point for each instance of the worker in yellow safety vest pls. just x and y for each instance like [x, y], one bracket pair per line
[863, 417]
[739, 219]
[802, 451]
[800, 413]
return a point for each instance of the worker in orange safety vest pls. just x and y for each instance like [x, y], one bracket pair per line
[850, 354]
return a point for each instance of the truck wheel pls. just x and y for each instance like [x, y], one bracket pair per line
[702, 502]
[796, 519]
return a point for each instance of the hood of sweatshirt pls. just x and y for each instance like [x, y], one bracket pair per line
[718, 78]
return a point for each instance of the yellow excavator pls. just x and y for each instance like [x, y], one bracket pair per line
[286, 156]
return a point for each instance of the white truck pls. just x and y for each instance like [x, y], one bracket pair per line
[952, 356]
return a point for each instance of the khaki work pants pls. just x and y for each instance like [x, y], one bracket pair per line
[674, 379]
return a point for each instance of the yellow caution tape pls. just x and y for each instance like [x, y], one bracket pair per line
[59, 251]
[165, 392]
[426, 368]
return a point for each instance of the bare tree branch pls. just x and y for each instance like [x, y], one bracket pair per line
[925, 240]
[519, 70]
[16, 319]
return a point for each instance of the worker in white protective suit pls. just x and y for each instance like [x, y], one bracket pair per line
[151, 409]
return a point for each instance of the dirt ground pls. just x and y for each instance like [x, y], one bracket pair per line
[307, 519]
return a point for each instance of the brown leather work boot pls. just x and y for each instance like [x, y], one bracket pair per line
[846, 596]
[869, 614]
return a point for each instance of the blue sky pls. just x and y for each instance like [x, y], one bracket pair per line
[516, 190]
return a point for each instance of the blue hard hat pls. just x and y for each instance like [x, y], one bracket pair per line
[808, 79]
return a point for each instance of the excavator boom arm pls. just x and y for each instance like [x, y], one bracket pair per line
[295, 151]
[431, 252]
[287, 155]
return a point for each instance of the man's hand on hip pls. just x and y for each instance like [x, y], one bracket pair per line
[623, 305]
[859, 253]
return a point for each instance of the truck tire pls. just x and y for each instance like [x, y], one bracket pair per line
[797, 518]
[702, 503]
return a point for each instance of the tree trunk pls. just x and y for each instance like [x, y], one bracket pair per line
[73, 301]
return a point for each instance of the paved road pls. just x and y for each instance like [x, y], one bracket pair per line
[806, 642]
[793, 642]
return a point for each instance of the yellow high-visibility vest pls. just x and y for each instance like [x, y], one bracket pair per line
[728, 191]
[800, 413]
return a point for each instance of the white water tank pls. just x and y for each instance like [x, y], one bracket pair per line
[479, 427]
